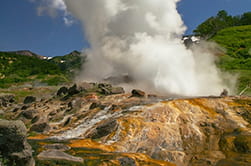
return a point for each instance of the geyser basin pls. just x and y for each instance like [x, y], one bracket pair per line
[142, 38]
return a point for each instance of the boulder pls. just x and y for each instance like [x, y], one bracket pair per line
[29, 114]
[13, 144]
[25, 107]
[117, 90]
[35, 119]
[60, 147]
[58, 155]
[104, 85]
[62, 91]
[224, 93]
[40, 127]
[104, 91]
[29, 99]
[96, 105]
[104, 88]
[125, 161]
[73, 90]
[138, 93]
[103, 129]
[85, 86]
[6, 100]
[52, 113]
[76, 103]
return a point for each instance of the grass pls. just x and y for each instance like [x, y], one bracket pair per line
[237, 41]
[21, 93]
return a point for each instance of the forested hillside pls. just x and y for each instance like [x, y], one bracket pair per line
[68, 63]
[222, 20]
[20, 68]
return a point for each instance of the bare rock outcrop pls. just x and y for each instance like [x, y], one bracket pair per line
[138, 93]
[13, 144]
[29, 99]
[58, 155]
[134, 129]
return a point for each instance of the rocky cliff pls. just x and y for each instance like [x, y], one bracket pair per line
[92, 125]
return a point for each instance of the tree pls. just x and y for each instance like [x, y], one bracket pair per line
[222, 20]
[245, 19]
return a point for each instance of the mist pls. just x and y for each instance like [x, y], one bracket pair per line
[142, 39]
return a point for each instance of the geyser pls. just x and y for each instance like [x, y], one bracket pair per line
[141, 38]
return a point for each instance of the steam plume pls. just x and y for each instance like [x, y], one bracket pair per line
[142, 39]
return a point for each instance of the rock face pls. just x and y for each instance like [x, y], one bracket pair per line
[186, 132]
[122, 129]
[13, 144]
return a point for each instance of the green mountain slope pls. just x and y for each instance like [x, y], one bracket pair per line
[69, 63]
[20, 68]
[237, 41]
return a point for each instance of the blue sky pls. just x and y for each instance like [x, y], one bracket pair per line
[22, 28]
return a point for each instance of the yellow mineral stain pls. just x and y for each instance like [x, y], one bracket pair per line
[38, 137]
[145, 160]
[200, 102]
[42, 143]
[130, 126]
[88, 143]
[240, 102]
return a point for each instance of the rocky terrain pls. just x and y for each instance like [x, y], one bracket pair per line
[98, 124]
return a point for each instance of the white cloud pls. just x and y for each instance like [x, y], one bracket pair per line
[68, 21]
[53, 8]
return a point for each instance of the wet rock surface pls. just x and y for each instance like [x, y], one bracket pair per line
[103, 130]
[138, 129]
[58, 155]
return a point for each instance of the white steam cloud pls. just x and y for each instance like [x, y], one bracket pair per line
[141, 38]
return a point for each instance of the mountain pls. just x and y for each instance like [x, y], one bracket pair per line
[69, 63]
[27, 53]
[97, 124]
[16, 69]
